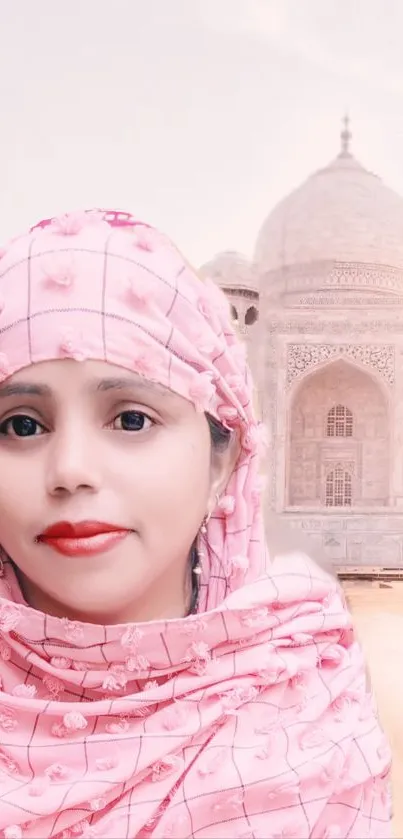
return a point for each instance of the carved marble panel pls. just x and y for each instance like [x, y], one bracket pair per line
[303, 357]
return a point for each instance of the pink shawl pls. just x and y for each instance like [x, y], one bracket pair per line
[251, 718]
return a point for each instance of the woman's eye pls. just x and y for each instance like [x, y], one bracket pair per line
[21, 425]
[132, 421]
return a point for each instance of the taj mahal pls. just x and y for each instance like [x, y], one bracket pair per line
[320, 307]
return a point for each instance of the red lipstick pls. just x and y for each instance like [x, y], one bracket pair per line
[84, 538]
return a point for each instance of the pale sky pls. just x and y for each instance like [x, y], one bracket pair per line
[195, 115]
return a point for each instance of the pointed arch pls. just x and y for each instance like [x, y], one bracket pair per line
[338, 439]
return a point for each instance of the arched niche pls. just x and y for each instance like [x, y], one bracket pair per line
[338, 440]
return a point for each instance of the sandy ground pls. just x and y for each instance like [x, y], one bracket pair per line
[378, 616]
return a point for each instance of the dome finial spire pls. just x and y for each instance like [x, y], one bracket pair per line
[345, 137]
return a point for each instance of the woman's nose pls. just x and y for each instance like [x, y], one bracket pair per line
[72, 464]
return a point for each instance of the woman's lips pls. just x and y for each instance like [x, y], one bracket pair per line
[85, 538]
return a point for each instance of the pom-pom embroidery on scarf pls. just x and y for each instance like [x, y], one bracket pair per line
[132, 636]
[13, 832]
[144, 239]
[237, 565]
[227, 414]
[146, 364]
[24, 690]
[8, 721]
[202, 390]
[227, 505]
[57, 772]
[10, 617]
[61, 663]
[69, 224]
[75, 721]
[73, 630]
[141, 295]
[59, 274]
[71, 346]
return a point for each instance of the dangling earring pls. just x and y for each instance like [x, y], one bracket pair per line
[1, 567]
[207, 517]
[195, 573]
[205, 522]
[196, 567]
[196, 557]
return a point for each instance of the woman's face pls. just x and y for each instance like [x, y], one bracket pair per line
[91, 442]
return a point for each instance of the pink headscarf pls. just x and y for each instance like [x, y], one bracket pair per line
[249, 719]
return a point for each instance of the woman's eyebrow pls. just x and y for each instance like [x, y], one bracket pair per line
[24, 389]
[100, 385]
[125, 382]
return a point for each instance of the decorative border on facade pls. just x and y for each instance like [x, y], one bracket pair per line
[317, 326]
[334, 275]
[304, 357]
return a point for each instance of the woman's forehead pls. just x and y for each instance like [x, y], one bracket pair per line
[97, 376]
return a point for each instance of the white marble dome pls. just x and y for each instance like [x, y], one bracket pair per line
[342, 213]
[231, 270]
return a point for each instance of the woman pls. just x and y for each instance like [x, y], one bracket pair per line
[159, 677]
